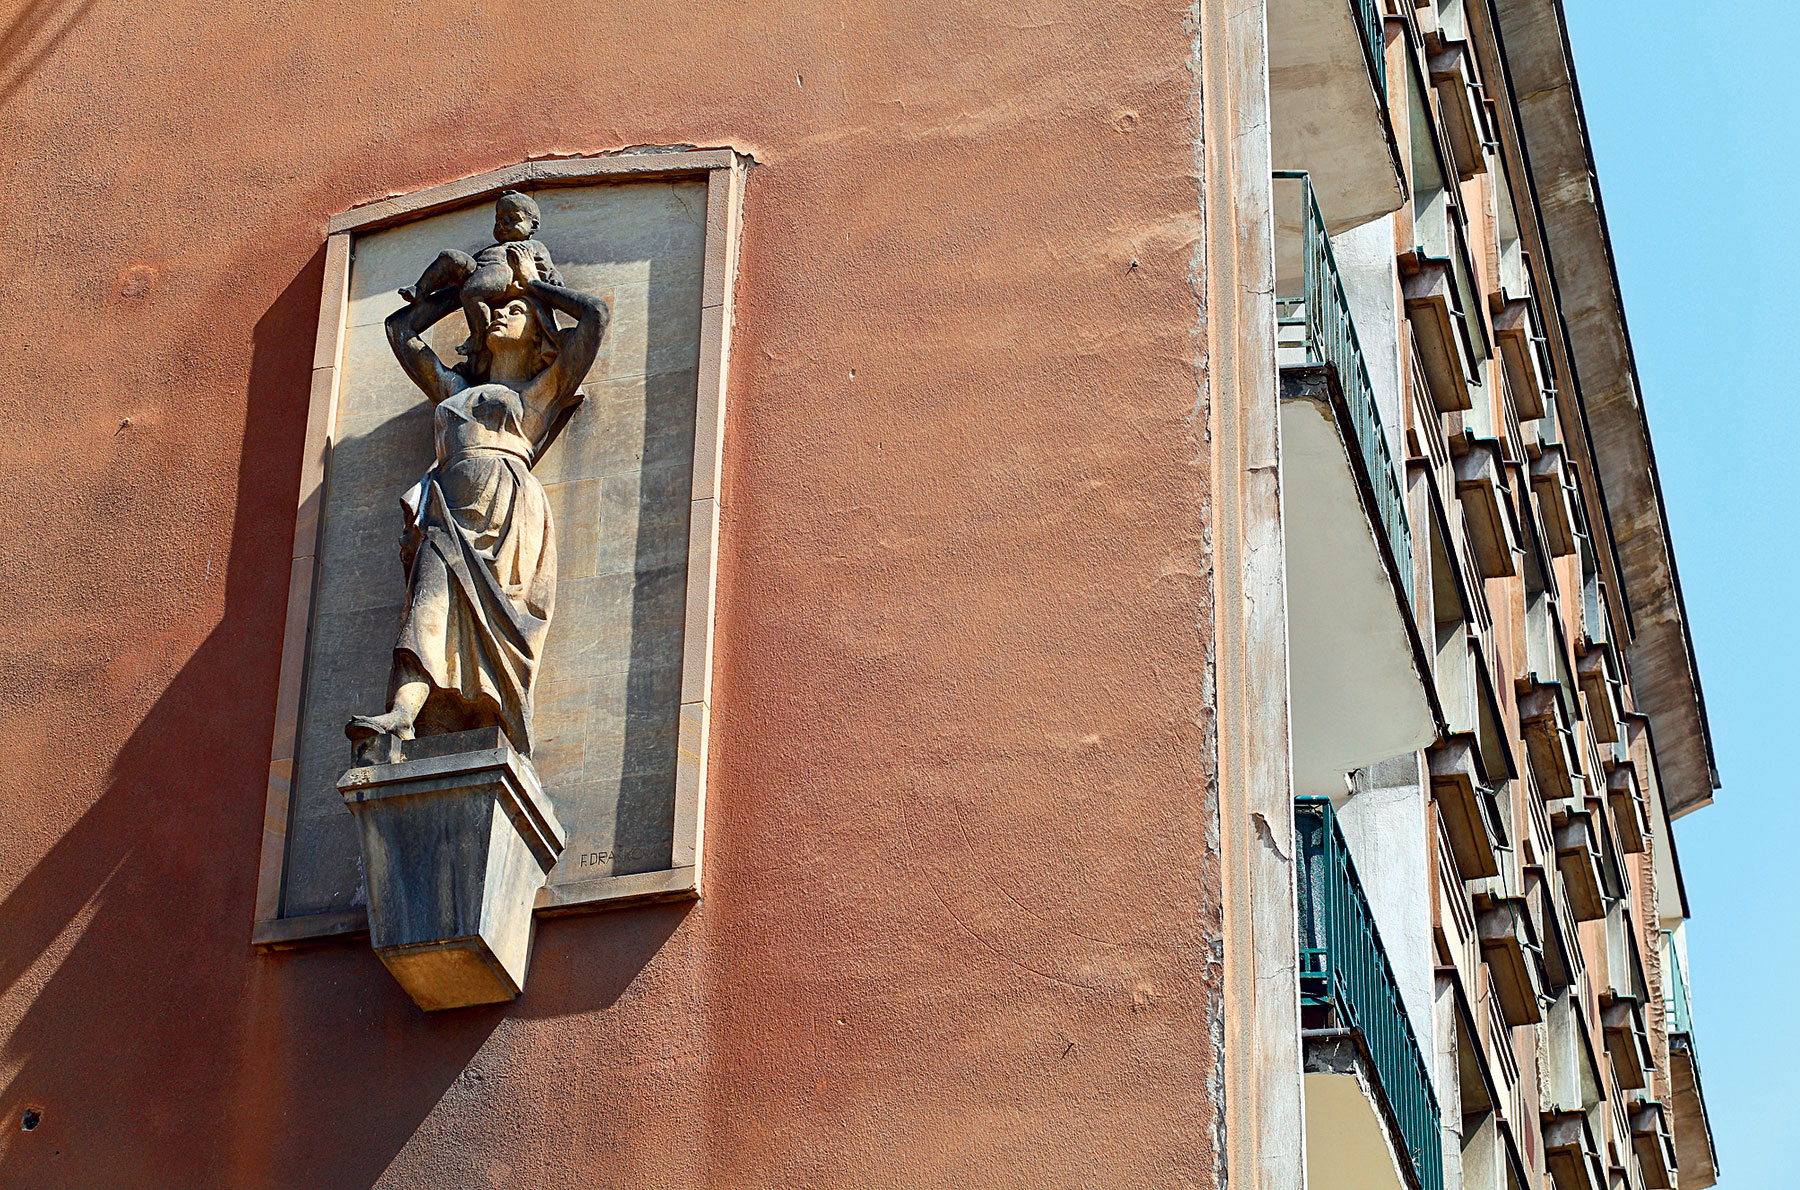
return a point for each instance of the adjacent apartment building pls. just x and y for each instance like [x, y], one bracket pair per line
[1494, 712]
[1115, 622]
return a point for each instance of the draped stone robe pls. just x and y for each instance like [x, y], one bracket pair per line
[480, 552]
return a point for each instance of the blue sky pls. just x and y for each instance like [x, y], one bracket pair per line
[1692, 110]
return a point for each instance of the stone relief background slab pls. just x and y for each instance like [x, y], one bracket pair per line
[619, 480]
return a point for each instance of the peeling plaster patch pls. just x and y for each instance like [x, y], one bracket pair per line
[138, 281]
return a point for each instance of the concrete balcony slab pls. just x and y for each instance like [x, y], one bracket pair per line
[1351, 1144]
[1327, 113]
[1358, 675]
[1695, 1157]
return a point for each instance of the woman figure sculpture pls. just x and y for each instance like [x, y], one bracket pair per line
[479, 547]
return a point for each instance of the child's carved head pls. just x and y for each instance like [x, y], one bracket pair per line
[515, 217]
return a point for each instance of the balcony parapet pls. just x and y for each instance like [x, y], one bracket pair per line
[1578, 860]
[1598, 673]
[1549, 738]
[1564, 964]
[1516, 328]
[1496, 748]
[1481, 490]
[1627, 1040]
[1465, 802]
[1654, 1142]
[1509, 947]
[1461, 105]
[1571, 1153]
[1347, 982]
[1555, 493]
[1440, 331]
[1631, 822]
[1320, 316]
[1448, 327]
[1675, 988]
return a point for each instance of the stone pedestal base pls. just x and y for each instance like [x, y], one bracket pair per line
[457, 837]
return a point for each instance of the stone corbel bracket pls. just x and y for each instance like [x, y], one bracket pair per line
[457, 837]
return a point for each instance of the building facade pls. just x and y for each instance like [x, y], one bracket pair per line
[1191, 686]
[1492, 955]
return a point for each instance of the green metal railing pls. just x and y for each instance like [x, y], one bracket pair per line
[1368, 18]
[1345, 970]
[1322, 315]
[1675, 984]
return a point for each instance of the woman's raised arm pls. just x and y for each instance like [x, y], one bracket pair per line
[406, 329]
[580, 344]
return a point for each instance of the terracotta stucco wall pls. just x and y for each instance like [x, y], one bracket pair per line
[961, 913]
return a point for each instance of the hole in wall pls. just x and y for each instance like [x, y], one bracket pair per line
[30, 1119]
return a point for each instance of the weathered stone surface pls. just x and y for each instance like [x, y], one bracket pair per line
[456, 837]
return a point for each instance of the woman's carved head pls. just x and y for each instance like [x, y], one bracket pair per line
[518, 329]
[511, 322]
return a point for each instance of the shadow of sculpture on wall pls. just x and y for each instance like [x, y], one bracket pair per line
[202, 1061]
[32, 36]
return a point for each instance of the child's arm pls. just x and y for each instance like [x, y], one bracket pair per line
[546, 267]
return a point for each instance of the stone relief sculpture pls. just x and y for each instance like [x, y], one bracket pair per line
[433, 830]
[490, 276]
[456, 832]
[478, 544]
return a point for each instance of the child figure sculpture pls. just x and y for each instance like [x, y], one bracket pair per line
[488, 278]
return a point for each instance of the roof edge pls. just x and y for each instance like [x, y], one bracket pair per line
[1660, 656]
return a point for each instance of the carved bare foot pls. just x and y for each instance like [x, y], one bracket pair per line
[409, 294]
[396, 723]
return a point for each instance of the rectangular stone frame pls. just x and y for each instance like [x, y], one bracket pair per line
[723, 171]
